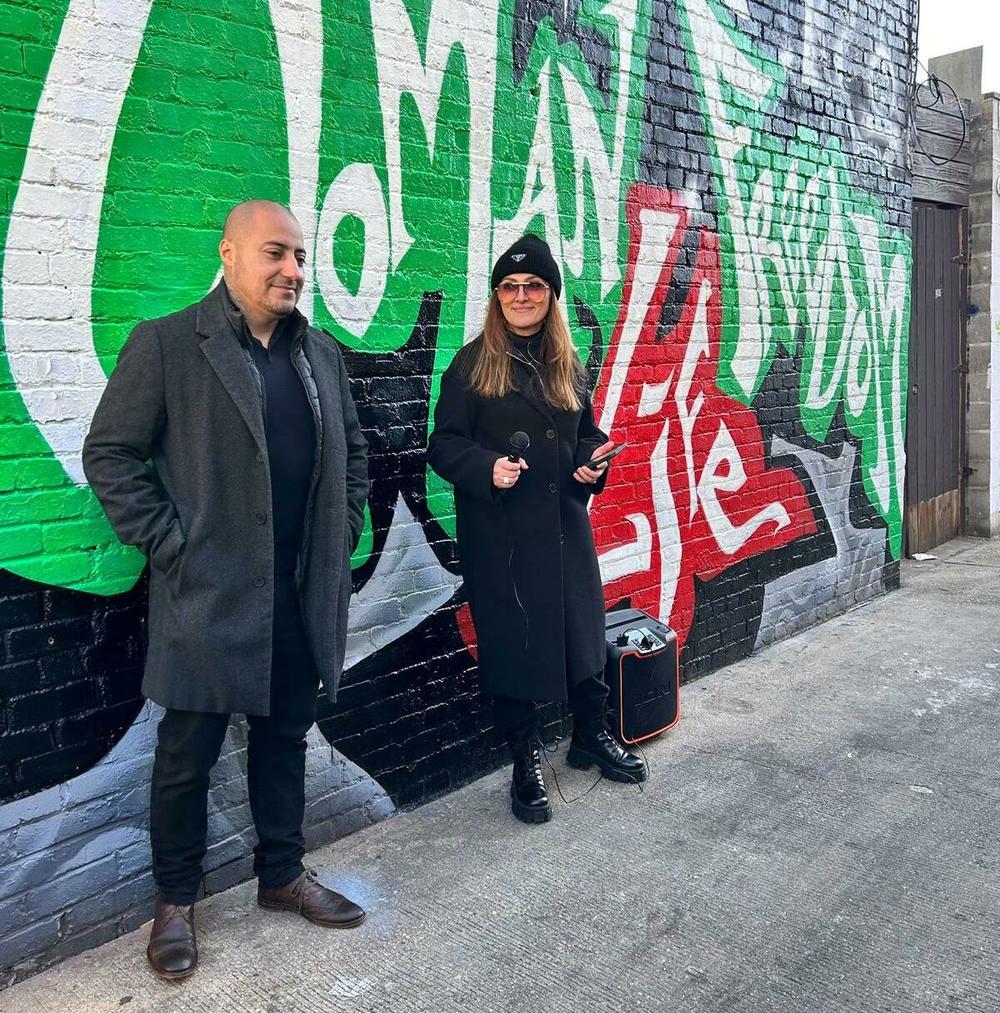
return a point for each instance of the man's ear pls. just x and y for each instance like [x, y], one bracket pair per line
[226, 252]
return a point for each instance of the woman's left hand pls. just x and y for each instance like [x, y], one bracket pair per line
[589, 476]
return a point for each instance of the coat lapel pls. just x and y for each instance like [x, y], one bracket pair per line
[540, 405]
[222, 349]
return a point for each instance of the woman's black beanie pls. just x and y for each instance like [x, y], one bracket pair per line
[529, 255]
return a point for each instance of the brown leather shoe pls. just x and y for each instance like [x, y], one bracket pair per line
[173, 951]
[308, 897]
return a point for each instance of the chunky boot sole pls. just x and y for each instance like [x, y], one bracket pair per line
[582, 760]
[528, 813]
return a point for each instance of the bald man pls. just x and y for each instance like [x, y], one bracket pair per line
[227, 448]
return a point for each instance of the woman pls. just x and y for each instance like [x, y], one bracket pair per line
[524, 536]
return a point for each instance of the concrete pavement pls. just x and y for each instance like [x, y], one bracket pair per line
[819, 834]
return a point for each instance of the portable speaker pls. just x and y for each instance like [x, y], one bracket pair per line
[643, 674]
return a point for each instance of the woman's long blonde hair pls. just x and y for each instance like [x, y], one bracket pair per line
[561, 370]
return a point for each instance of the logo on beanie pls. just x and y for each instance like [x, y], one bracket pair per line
[517, 257]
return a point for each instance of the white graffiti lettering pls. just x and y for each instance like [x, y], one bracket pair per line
[402, 70]
[807, 263]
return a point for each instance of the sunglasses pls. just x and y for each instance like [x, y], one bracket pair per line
[534, 290]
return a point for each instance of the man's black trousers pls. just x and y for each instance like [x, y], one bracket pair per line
[188, 746]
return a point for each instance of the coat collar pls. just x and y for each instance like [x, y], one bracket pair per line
[218, 313]
[221, 346]
[539, 404]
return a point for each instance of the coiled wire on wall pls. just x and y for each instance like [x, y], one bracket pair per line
[936, 88]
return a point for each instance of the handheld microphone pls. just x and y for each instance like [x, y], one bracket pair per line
[517, 444]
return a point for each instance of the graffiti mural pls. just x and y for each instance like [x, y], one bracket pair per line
[736, 279]
[691, 494]
[807, 256]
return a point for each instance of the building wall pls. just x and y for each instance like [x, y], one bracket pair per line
[724, 186]
[982, 496]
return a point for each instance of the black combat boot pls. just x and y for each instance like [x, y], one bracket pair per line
[528, 799]
[592, 743]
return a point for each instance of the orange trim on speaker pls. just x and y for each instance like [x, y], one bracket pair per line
[621, 698]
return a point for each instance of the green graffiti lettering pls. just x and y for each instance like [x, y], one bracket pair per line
[401, 133]
[807, 260]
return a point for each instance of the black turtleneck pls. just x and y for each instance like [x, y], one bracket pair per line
[528, 351]
[290, 430]
[522, 341]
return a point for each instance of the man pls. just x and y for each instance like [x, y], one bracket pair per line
[248, 515]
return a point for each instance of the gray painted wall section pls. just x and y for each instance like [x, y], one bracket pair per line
[855, 574]
[75, 860]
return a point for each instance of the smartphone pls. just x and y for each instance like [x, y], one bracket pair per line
[604, 459]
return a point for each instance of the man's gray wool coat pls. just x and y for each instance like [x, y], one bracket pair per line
[184, 395]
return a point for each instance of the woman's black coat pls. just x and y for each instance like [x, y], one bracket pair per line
[527, 553]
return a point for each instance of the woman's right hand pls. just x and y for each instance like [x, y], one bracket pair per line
[506, 473]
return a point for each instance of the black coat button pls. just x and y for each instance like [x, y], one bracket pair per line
[261, 518]
[550, 433]
[260, 457]
[259, 582]
[553, 487]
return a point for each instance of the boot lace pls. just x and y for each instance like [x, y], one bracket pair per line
[552, 748]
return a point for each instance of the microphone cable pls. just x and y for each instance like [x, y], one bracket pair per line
[517, 444]
[513, 584]
[552, 749]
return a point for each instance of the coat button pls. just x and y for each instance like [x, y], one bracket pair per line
[260, 457]
[261, 518]
[550, 433]
[259, 582]
[553, 487]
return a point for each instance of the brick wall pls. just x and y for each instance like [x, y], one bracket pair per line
[724, 185]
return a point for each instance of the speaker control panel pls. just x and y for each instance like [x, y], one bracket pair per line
[641, 639]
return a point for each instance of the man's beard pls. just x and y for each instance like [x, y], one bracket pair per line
[281, 308]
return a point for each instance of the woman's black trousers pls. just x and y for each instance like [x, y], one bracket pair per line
[516, 720]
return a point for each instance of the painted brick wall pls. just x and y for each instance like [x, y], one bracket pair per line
[724, 184]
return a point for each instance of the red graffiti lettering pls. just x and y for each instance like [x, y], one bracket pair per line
[691, 495]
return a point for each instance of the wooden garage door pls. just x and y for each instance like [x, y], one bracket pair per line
[937, 377]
